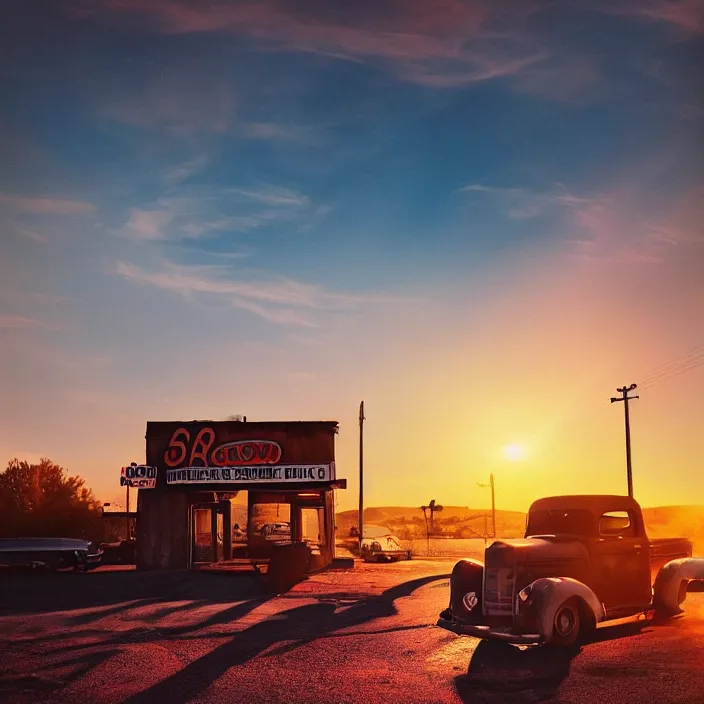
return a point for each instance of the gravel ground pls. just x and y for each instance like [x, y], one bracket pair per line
[364, 635]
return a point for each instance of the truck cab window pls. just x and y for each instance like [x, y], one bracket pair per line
[561, 522]
[616, 523]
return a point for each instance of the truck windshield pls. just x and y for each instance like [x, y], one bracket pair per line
[555, 521]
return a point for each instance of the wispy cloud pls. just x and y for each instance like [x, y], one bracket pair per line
[147, 225]
[608, 227]
[478, 69]
[522, 204]
[439, 43]
[32, 235]
[183, 171]
[276, 299]
[43, 205]
[273, 196]
[274, 131]
[194, 213]
[687, 16]
[20, 322]
[612, 233]
[227, 256]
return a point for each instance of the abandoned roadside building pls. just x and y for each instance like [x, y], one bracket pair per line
[216, 491]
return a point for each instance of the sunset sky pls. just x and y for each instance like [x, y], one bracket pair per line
[479, 217]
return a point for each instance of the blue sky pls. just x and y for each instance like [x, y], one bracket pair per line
[278, 208]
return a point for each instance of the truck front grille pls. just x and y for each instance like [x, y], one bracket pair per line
[498, 591]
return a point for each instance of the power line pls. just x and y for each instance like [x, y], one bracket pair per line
[675, 373]
[676, 368]
[695, 354]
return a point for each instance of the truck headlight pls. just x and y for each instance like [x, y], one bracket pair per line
[524, 594]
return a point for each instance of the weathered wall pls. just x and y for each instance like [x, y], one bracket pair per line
[162, 529]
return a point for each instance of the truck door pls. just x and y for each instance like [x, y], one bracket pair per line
[623, 561]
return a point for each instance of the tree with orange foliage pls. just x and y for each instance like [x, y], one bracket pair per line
[41, 500]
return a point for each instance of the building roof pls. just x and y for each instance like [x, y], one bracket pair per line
[153, 426]
[247, 422]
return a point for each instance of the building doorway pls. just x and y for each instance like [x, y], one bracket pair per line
[211, 532]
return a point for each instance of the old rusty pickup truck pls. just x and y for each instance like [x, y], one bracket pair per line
[584, 560]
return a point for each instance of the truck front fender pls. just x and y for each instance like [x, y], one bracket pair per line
[544, 596]
[670, 588]
[466, 583]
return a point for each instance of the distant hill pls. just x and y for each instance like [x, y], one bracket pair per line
[407, 522]
[676, 521]
[453, 521]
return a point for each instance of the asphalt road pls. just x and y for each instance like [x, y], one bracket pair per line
[364, 635]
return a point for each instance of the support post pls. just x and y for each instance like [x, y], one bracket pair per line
[361, 476]
[626, 398]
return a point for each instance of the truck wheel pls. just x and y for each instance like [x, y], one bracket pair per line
[566, 624]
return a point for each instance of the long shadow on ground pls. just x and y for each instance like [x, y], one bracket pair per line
[287, 630]
[29, 593]
[499, 672]
[302, 625]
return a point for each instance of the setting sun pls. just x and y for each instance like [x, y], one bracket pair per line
[514, 452]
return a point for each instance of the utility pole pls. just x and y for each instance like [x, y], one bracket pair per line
[427, 530]
[433, 508]
[493, 508]
[490, 485]
[361, 475]
[626, 398]
[127, 535]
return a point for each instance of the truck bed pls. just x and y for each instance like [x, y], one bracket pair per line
[662, 550]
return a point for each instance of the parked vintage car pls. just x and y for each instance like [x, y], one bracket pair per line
[382, 546]
[585, 560]
[52, 553]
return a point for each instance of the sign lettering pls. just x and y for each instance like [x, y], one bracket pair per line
[138, 476]
[230, 454]
[258, 473]
[177, 450]
[201, 446]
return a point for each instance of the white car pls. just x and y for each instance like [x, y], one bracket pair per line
[386, 548]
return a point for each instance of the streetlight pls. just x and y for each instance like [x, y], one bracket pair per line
[490, 485]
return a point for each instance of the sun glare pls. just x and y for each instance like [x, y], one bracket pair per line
[514, 452]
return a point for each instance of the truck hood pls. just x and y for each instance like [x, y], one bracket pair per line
[508, 552]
